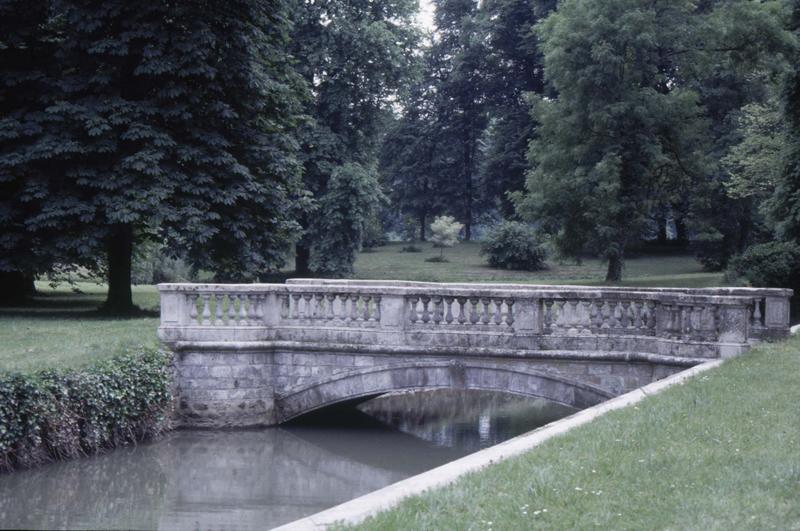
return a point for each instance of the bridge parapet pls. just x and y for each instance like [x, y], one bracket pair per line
[246, 349]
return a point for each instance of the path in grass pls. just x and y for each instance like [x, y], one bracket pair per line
[721, 451]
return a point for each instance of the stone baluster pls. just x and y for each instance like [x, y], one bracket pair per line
[295, 305]
[353, 307]
[638, 322]
[284, 298]
[377, 313]
[252, 309]
[448, 303]
[473, 311]
[206, 311]
[462, 316]
[329, 309]
[242, 309]
[498, 311]
[193, 308]
[413, 314]
[613, 317]
[218, 298]
[232, 309]
[342, 313]
[437, 309]
[651, 315]
[319, 306]
[757, 320]
[308, 310]
[426, 315]
[586, 317]
[509, 312]
[485, 311]
[548, 316]
[367, 309]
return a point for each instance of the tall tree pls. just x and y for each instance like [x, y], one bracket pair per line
[459, 54]
[27, 45]
[785, 204]
[172, 121]
[513, 69]
[354, 54]
[628, 125]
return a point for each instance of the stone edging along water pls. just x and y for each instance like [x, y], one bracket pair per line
[358, 509]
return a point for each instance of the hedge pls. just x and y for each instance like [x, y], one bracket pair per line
[51, 414]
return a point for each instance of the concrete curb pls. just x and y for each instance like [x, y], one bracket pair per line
[358, 509]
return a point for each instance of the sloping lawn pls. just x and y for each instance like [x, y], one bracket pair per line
[721, 451]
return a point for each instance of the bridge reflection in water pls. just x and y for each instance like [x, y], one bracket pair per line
[259, 479]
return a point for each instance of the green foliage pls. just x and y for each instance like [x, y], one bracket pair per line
[53, 415]
[153, 265]
[354, 54]
[168, 121]
[444, 231]
[770, 265]
[514, 245]
[345, 211]
[628, 127]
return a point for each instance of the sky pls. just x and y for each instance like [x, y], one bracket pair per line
[425, 15]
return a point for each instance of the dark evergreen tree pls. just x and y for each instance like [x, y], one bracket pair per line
[172, 121]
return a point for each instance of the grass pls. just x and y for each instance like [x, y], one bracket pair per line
[721, 451]
[465, 264]
[61, 329]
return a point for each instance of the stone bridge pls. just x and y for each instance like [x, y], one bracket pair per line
[262, 354]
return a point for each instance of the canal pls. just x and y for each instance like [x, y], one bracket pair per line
[263, 478]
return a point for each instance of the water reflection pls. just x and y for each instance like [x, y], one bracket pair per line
[260, 479]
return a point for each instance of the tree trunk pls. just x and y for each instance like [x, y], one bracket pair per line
[614, 273]
[302, 259]
[662, 230]
[422, 227]
[16, 286]
[681, 232]
[467, 181]
[119, 251]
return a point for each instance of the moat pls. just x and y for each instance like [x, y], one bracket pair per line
[257, 479]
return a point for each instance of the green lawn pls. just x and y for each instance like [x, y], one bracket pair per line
[467, 265]
[721, 451]
[61, 328]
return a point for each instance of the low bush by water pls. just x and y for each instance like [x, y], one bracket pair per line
[54, 414]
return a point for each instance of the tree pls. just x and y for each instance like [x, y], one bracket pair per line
[444, 233]
[628, 125]
[354, 54]
[172, 122]
[27, 37]
[513, 69]
[459, 55]
[785, 204]
[352, 199]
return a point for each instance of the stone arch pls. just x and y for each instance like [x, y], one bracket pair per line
[483, 376]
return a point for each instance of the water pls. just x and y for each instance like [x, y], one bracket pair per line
[263, 478]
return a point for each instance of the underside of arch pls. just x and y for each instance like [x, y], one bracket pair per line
[375, 381]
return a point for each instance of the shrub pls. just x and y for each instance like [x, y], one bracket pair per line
[56, 415]
[514, 245]
[444, 233]
[410, 249]
[769, 265]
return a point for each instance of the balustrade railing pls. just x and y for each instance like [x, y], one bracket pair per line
[407, 313]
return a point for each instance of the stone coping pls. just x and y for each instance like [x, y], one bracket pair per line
[726, 296]
[728, 291]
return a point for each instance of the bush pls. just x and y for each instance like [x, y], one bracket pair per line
[373, 236]
[410, 249]
[56, 415]
[513, 245]
[769, 265]
[152, 265]
[437, 259]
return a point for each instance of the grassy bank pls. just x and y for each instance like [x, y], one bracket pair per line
[719, 452]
